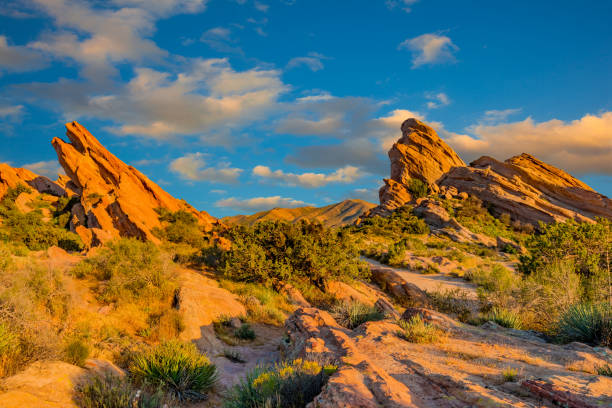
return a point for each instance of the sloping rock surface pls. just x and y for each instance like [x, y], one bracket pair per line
[115, 198]
[463, 368]
[529, 190]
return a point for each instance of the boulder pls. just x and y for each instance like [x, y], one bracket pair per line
[114, 197]
[391, 282]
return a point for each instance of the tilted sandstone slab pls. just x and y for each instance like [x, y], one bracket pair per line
[529, 190]
[11, 177]
[115, 198]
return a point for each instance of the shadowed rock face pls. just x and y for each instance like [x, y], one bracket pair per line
[115, 199]
[418, 154]
[529, 190]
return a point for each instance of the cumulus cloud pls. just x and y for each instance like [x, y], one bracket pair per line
[18, 58]
[403, 4]
[11, 112]
[580, 146]
[207, 95]
[259, 203]
[496, 116]
[437, 100]
[49, 168]
[313, 61]
[347, 174]
[193, 167]
[261, 7]
[430, 49]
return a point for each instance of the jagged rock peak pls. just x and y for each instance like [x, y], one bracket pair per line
[11, 177]
[115, 198]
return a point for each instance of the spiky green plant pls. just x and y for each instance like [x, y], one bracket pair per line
[588, 323]
[176, 367]
[416, 330]
[505, 317]
[112, 391]
[352, 314]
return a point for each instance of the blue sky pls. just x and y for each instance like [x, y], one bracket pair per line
[240, 106]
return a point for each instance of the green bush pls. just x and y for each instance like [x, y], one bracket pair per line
[351, 314]
[76, 352]
[510, 374]
[418, 188]
[285, 385]
[30, 229]
[416, 330]
[400, 223]
[588, 323]
[180, 227]
[605, 370]
[111, 391]
[505, 318]
[245, 332]
[305, 253]
[177, 368]
[129, 269]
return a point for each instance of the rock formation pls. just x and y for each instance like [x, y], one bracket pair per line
[524, 187]
[115, 199]
[418, 154]
[11, 177]
[529, 190]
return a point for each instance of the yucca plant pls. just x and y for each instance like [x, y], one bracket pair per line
[352, 314]
[416, 330]
[588, 323]
[504, 317]
[176, 367]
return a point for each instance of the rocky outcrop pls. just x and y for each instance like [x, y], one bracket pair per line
[11, 177]
[405, 293]
[115, 199]
[529, 190]
[418, 154]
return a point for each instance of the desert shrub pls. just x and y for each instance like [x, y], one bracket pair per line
[452, 301]
[128, 269]
[505, 318]
[588, 323]
[495, 278]
[112, 391]
[284, 385]
[400, 223]
[416, 330]
[605, 370]
[418, 188]
[510, 374]
[587, 245]
[180, 227]
[474, 216]
[76, 352]
[245, 332]
[351, 314]
[176, 367]
[30, 229]
[233, 356]
[270, 252]
[33, 306]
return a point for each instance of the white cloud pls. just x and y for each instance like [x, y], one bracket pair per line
[437, 100]
[50, 168]
[365, 194]
[261, 7]
[347, 174]
[193, 167]
[11, 112]
[313, 61]
[495, 116]
[580, 146]
[209, 94]
[18, 58]
[403, 4]
[259, 203]
[430, 49]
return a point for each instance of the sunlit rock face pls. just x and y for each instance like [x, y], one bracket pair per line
[11, 177]
[115, 199]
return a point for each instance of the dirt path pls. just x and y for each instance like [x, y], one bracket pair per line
[431, 282]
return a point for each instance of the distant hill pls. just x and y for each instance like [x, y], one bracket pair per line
[342, 213]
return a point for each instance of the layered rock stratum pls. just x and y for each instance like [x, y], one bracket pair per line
[115, 199]
[11, 177]
[524, 187]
